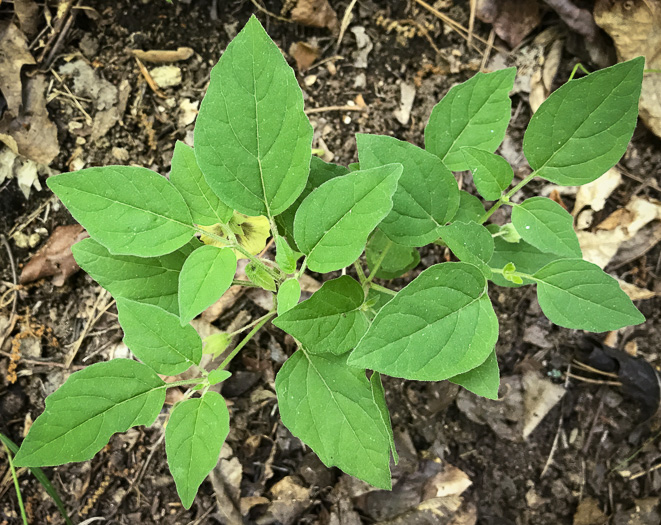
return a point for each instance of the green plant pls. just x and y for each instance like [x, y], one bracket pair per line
[250, 175]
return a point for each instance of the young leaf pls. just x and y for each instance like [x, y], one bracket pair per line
[260, 277]
[82, 414]
[205, 276]
[395, 262]
[482, 380]
[216, 344]
[492, 174]
[285, 255]
[421, 337]
[470, 242]
[427, 195]
[583, 128]
[574, 293]
[157, 338]
[475, 113]
[205, 207]
[193, 438]
[547, 226]
[470, 208]
[130, 210]
[153, 280]
[253, 140]
[379, 395]
[288, 295]
[330, 321]
[330, 407]
[320, 172]
[352, 207]
[218, 375]
[374, 302]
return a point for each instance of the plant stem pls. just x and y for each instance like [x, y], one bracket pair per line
[184, 382]
[379, 262]
[576, 68]
[360, 272]
[518, 274]
[304, 265]
[247, 338]
[18, 489]
[383, 289]
[250, 325]
[240, 282]
[506, 198]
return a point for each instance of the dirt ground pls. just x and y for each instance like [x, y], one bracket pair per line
[590, 461]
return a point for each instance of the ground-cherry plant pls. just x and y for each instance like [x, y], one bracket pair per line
[168, 249]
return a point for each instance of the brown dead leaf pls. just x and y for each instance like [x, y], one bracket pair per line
[512, 20]
[539, 397]
[14, 54]
[635, 27]
[636, 293]
[54, 258]
[291, 499]
[26, 12]
[304, 54]
[226, 481]
[315, 13]
[452, 481]
[163, 56]
[594, 194]
[541, 79]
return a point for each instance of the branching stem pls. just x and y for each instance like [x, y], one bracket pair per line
[244, 341]
[505, 199]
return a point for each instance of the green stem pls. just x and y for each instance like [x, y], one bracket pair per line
[383, 289]
[18, 489]
[379, 262]
[518, 274]
[576, 68]
[184, 382]
[304, 265]
[360, 272]
[236, 332]
[240, 282]
[247, 338]
[506, 198]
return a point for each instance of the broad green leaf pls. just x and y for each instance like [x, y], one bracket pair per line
[285, 256]
[472, 114]
[354, 166]
[427, 194]
[333, 222]
[395, 259]
[547, 226]
[288, 295]
[470, 209]
[492, 174]
[218, 375]
[205, 276]
[130, 210]
[524, 256]
[330, 407]
[253, 140]
[153, 280]
[205, 207]
[482, 380]
[193, 438]
[331, 320]
[574, 293]
[92, 405]
[320, 172]
[470, 242]
[583, 128]
[260, 277]
[440, 325]
[379, 395]
[157, 338]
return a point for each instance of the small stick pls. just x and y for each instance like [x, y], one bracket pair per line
[346, 18]
[471, 21]
[150, 81]
[12, 265]
[588, 368]
[487, 51]
[268, 13]
[333, 108]
[62, 11]
[594, 381]
[88, 327]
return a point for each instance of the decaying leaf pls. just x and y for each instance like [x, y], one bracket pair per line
[54, 258]
[635, 27]
[315, 13]
[541, 80]
[14, 54]
[594, 194]
[589, 512]
[539, 397]
[304, 54]
[512, 19]
[26, 12]
[226, 480]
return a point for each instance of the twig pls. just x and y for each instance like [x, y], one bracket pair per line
[59, 41]
[594, 381]
[588, 368]
[346, 19]
[549, 460]
[150, 81]
[12, 265]
[333, 108]
[487, 51]
[471, 21]
[88, 118]
[268, 13]
[645, 472]
[90, 322]
[33, 362]
[62, 16]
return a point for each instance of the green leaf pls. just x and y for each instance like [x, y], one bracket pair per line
[218, 375]
[472, 114]
[397, 260]
[206, 275]
[259, 276]
[492, 174]
[547, 226]
[482, 380]
[193, 438]
[288, 295]
[583, 128]
[187, 177]
[331, 320]
[92, 405]
[130, 210]
[253, 140]
[320, 172]
[285, 256]
[470, 208]
[525, 257]
[330, 407]
[427, 194]
[574, 293]
[379, 396]
[354, 166]
[216, 344]
[352, 207]
[157, 338]
[440, 325]
[470, 242]
[153, 280]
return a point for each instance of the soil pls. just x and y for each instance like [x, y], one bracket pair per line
[570, 460]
